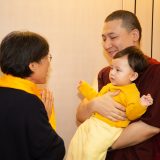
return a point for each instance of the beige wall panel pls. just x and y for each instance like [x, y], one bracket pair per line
[144, 13]
[128, 5]
[73, 29]
[156, 30]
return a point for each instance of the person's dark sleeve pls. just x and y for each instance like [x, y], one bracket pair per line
[44, 142]
[151, 85]
[103, 77]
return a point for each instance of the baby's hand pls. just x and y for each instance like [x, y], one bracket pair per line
[146, 100]
[80, 83]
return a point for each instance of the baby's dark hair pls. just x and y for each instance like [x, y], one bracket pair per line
[136, 59]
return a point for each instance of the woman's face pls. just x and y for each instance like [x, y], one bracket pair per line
[40, 70]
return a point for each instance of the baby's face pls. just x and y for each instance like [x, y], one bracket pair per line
[121, 73]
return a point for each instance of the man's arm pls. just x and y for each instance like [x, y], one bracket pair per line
[135, 133]
[104, 105]
[84, 110]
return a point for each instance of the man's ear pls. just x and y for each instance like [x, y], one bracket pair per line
[134, 76]
[135, 34]
[33, 66]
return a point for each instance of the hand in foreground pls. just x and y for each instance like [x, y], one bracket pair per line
[107, 107]
[47, 99]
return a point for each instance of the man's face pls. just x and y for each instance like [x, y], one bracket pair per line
[115, 37]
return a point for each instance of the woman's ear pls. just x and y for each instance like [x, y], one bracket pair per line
[33, 66]
[134, 76]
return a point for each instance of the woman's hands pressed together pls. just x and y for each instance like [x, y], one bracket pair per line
[47, 99]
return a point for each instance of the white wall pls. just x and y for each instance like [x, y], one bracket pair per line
[73, 30]
[143, 14]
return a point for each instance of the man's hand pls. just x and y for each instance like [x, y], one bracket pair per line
[107, 107]
[104, 105]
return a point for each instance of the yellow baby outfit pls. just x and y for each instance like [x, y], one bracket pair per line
[93, 137]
